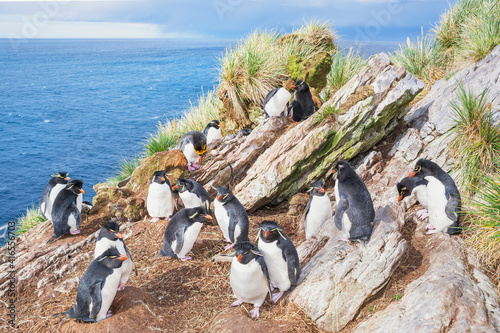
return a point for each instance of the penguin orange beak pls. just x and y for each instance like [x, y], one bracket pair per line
[412, 173]
[219, 197]
[400, 197]
[293, 87]
[162, 179]
[82, 191]
[208, 217]
[266, 233]
[119, 235]
[239, 257]
[321, 190]
[334, 170]
[122, 257]
[175, 187]
[67, 178]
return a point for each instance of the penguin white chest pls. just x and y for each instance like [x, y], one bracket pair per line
[190, 200]
[52, 197]
[190, 236]
[421, 194]
[108, 293]
[276, 265]
[72, 220]
[222, 218]
[277, 104]
[105, 243]
[319, 212]
[160, 201]
[190, 153]
[213, 134]
[436, 195]
[346, 222]
[248, 282]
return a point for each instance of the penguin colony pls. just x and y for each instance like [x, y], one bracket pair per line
[256, 271]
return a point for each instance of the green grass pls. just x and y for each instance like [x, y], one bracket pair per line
[125, 168]
[344, 67]
[31, 219]
[327, 111]
[476, 146]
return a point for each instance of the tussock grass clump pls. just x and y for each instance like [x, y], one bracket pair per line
[125, 168]
[476, 146]
[344, 67]
[31, 219]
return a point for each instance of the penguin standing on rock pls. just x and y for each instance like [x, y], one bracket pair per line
[98, 287]
[231, 217]
[302, 105]
[281, 257]
[66, 217]
[443, 198]
[212, 131]
[109, 236]
[318, 210]
[192, 194]
[160, 199]
[276, 102]
[182, 231]
[354, 214]
[193, 144]
[418, 186]
[249, 277]
[50, 192]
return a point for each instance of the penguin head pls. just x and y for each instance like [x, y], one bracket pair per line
[197, 214]
[75, 186]
[159, 177]
[317, 188]
[343, 170]
[224, 193]
[300, 86]
[200, 149]
[405, 187]
[215, 124]
[183, 185]
[424, 168]
[110, 230]
[270, 231]
[61, 177]
[246, 252]
[111, 258]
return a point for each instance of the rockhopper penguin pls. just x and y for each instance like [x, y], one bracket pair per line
[231, 217]
[50, 192]
[98, 287]
[109, 236]
[281, 257]
[212, 131]
[354, 214]
[160, 199]
[193, 144]
[182, 231]
[318, 210]
[249, 277]
[192, 194]
[302, 105]
[276, 102]
[443, 198]
[414, 185]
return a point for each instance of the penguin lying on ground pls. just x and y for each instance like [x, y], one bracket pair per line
[110, 237]
[302, 105]
[50, 192]
[318, 210]
[182, 231]
[276, 102]
[98, 287]
[354, 214]
[443, 198]
[249, 277]
[192, 194]
[281, 257]
[160, 199]
[66, 217]
[212, 131]
[418, 186]
[193, 144]
[231, 217]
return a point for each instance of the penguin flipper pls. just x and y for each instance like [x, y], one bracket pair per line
[233, 221]
[342, 206]
[266, 274]
[452, 208]
[179, 237]
[293, 266]
[95, 296]
[304, 215]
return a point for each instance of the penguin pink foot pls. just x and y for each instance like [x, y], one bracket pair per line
[276, 296]
[186, 258]
[422, 214]
[254, 313]
[76, 232]
[155, 219]
[228, 246]
[429, 227]
[190, 168]
[236, 303]
[431, 231]
[121, 287]
[109, 314]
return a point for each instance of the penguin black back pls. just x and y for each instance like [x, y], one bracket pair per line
[196, 189]
[59, 178]
[196, 138]
[232, 214]
[66, 216]
[302, 105]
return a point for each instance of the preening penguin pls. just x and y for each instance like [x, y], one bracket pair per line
[302, 105]
[418, 186]
[193, 144]
[443, 198]
[98, 287]
[182, 231]
[160, 199]
[50, 192]
[281, 257]
[110, 237]
[192, 194]
[354, 214]
[318, 210]
[212, 131]
[231, 217]
[66, 217]
[249, 277]
[276, 102]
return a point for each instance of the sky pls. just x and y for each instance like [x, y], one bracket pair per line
[362, 20]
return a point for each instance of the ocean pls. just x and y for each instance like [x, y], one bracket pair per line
[82, 106]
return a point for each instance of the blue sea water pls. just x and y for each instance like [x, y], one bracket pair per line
[83, 106]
